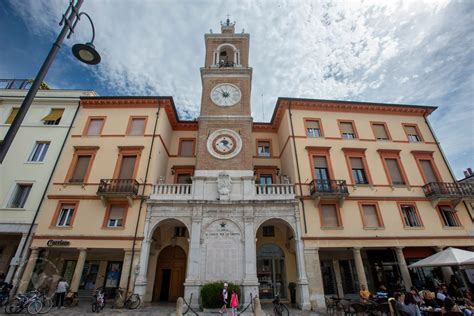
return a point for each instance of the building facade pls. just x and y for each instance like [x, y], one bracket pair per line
[328, 196]
[25, 172]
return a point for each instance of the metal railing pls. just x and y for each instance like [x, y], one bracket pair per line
[275, 189]
[318, 186]
[453, 189]
[172, 189]
[118, 186]
[225, 64]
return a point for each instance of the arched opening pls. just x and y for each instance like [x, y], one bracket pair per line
[226, 56]
[167, 261]
[276, 259]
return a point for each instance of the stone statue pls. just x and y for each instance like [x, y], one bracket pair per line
[179, 306]
[224, 186]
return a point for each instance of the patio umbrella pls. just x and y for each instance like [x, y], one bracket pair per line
[448, 257]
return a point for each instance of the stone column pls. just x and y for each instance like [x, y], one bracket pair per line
[76, 277]
[16, 259]
[446, 271]
[250, 283]
[302, 283]
[30, 266]
[359, 267]
[337, 274]
[403, 268]
[127, 261]
[315, 278]
[142, 277]
[192, 283]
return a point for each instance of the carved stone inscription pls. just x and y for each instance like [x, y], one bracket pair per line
[224, 252]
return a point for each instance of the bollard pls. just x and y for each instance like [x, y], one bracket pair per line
[179, 306]
[258, 308]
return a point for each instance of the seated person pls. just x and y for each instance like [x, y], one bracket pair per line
[429, 299]
[416, 296]
[410, 305]
[381, 294]
[450, 306]
[364, 294]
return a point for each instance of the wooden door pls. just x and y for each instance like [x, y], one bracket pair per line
[171, 259]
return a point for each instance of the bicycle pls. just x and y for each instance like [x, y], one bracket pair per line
[46, 301]
[132, 302]
[98, 303]
[30, 301]
[279, 307]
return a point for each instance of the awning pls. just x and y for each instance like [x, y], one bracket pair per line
[448, 257]
[12, 116]
[55, 115]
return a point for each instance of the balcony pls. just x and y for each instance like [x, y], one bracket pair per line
[177, 191]
[118, 189]
[450, 192]
[328, 190]
[275, 191]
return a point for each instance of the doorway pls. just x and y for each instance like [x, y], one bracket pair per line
[271, 272]
[170, 274]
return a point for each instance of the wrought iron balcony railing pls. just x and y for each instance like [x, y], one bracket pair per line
[328, 187]
[448, 190]
[125, 187]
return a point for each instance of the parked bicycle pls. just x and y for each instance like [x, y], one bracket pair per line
[98, 300]
[47, 302]
[4, 293]
[30, 301]
[279, 307]
[132, 302]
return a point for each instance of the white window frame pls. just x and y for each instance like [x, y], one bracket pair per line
[14, 191]
[42, 151]
[70, 213]
[415, 215]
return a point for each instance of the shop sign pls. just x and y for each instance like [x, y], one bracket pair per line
[55, 243]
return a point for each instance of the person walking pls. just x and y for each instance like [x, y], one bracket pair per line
[224, 297]
[234, 302]
[61, 290]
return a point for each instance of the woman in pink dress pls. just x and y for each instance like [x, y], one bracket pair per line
[234, 303]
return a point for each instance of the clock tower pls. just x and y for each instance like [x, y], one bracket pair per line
[225, 122]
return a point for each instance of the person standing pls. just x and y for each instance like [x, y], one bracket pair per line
[224, 297]
[61, 290]
[234, 302]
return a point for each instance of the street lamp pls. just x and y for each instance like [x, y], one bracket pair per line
[84, 52]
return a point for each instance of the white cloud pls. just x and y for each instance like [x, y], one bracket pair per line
[386, 51]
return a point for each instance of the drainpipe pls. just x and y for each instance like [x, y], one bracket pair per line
[142, 199]
[30, 230]
[298, 170]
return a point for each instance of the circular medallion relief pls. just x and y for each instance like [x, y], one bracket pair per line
[226, 94]
[224, 144]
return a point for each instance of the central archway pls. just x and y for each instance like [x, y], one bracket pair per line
[170, 274]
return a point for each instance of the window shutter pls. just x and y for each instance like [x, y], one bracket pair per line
[138, 126]
[428, 171]
[330, 216]
[320, 162]
[12, 116]
[81, 168]
[380, 132]
[127, 167]
[394, 171]
[116, 212]
[312, 124]
[95, 125]
[346, 127]
[187, 147]
[370, 215]
[54, 115]
[410, 130]
[356, 163]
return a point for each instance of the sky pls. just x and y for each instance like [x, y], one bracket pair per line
[409, 52]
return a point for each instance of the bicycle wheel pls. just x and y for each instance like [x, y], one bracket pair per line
[13, 306]
[285, 309]
[34, 307]
[47, 305]
[94, 307]
[277, 310]
[133, 301]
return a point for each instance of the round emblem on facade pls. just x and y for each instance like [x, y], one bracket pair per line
[226, 94]
[224, 144]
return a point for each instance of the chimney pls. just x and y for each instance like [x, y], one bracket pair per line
[466, 173]
[470, 171]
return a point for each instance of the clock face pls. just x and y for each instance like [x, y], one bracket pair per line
[225, 94]
[224, 144]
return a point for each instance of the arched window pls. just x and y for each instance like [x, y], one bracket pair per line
[226, 55]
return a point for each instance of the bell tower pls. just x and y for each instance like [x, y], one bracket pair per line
[225, 122]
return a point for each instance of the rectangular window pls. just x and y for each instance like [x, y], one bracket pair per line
[449, 217]
[410, 216]
[12, 115]
[39, 152]
[428, 171]
[329, 216]
[347, 130]
[186, 148]
[412, 133]
[179, 231]
[127, 167]
[358, 172]
[20, 195]
[380, 132]
[313, 128]
[394, 171]
[80, 170]
[95, 126]
[371, 216]
[116, 215]
[137, 126]
[263, 149]
[184, 178]
[266, 179]
[65, 215]
[268, 231]
[54, 117]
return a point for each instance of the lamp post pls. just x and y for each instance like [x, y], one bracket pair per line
[84, 52]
